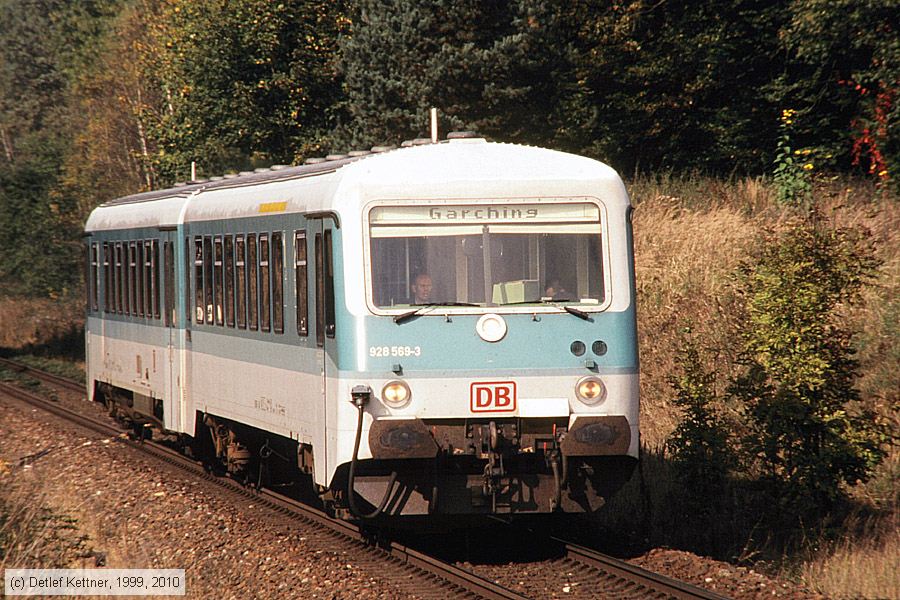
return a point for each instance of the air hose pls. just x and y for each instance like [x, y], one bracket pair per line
[360, 403]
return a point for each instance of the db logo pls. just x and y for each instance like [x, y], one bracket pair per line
[493, 396]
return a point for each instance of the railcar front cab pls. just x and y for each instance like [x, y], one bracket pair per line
[509, 388]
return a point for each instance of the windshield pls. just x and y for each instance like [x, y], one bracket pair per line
[486, 255]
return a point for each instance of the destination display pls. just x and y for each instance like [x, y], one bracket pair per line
[581, 212]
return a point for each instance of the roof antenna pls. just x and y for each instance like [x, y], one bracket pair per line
[434, 131]
[193, 170]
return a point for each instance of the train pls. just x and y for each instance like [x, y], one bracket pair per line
[440, 329]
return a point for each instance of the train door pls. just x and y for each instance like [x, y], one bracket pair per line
[326, 355]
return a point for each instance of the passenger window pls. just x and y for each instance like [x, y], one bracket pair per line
[252, 282]
[278, 282]
[95, 276]
[107, 274]
[241, 282]
[169, 282]
[131, 307]
[208, 277]
[301, 283]
[147, 268]
[154, 267]
[329, 286]
[188, 273]
[229, 281]
[121, 285]
[198, 281]
[320, 293]
[264, 291]
[218, 275]
[88, 275]
[141, 284]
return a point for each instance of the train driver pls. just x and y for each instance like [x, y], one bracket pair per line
[421, 289]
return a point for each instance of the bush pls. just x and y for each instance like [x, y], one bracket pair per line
[809, 434]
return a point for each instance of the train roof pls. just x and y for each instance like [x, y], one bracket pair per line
[454, 164]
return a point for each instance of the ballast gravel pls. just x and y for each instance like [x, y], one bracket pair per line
[129, 512]
[138, 516]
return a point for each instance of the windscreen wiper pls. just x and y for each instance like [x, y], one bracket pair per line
[569, 309]
[400, 319]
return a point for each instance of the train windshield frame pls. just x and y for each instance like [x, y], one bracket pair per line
[509, 256]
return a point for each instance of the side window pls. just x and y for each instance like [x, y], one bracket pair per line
[154, 267]
[131, 307]
[241, 281]
[121, 287]
[320, 293]
[219, 280]
[200, 307]
[188, 273]
[278, 282]
[95, 276]
[107, 277]
[265, 323]
[88, 275]
[329, 285]
[208, 278]
[169, 283]
[141, 285]
[301, 283]
[252, 282]
[90, 281]
[149, 287]
[229, 281]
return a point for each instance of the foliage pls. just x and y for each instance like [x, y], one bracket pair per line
[791, 178]
[493, 67]
[676, 84]
[37, 243]
[700, 447]
[43, 45]
[810, 435]
[243, 83]
[844, 72]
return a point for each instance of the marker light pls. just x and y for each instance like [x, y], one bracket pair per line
[396, 394]
[590, 390]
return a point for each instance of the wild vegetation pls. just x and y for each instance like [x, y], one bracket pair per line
[762, 145]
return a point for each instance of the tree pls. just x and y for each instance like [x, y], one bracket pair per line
[492, 67]
[243, 83]
[810, 434]
[43, 45]
[676, 84]
[700, 448]
[845, 78]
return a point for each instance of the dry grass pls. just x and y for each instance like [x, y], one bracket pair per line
[860, 567]
[45, 326]
[691, 234]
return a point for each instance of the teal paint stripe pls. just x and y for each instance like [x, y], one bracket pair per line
[538, 347]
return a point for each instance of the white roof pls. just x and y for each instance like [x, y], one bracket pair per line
[457, 169]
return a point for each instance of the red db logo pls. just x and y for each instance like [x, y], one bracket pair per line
[493, 396]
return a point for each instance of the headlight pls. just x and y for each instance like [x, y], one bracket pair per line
[396, 394]
[590, 390]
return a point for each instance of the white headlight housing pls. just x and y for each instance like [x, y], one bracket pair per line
[491, 327]
[396, 394]
[590, 390]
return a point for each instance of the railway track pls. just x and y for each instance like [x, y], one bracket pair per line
[605, 575]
